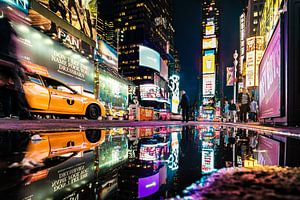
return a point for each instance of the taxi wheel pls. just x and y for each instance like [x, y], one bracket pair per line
[92, 112]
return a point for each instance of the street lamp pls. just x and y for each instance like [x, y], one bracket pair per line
[235, 62]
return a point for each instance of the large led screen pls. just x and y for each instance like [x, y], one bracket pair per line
[151, 92]
[60, 62]
[106, 54]
[209, 84]
[209, 63]
[113, 90]
[148, 185]
[153, 152]
[270, 78]
[209, 43]
[149, 58]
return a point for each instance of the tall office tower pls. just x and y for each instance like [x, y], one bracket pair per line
[254, 12]
[210, 72]
[146, 34]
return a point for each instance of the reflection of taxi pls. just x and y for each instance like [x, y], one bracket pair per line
[118, 113]
[48, 145]
[47, 95]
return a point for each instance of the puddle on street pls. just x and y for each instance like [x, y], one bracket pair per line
[125, 163]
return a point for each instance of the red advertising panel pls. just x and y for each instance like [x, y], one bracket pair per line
[269, 90]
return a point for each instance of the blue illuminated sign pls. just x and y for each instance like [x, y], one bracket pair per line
[22, 5]
[149, 58]
[209, 52]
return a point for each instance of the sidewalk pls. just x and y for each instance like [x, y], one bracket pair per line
[75, 124]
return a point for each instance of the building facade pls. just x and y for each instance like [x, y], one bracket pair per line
[210, 72]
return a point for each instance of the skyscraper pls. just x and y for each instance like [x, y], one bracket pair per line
[210, 73]
[148, 23]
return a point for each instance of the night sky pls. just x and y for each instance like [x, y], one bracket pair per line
[187, 19]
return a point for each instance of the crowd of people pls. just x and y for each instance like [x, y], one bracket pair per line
[246, 109]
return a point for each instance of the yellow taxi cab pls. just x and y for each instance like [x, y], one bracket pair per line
[53, 144]
[46, 95]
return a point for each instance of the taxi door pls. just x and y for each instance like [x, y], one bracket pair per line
[63, 99]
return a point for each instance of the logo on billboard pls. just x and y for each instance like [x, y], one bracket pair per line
[209, 85]
[68, 39]
[209, 63]
[209, 43]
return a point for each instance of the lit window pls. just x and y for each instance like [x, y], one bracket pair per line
[255, 14]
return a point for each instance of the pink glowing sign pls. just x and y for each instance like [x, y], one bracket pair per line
[270, 75]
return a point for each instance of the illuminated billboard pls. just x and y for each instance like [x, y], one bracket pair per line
[164, 70]
[112, 90]
[242, 41]
[209, 84]
[21, 5]
[269, 18]
[81, 15]
[105, 54]
[209, 29]
[60, 62]
[254, 52]
[209, 43]
[270, 79]
[148, 185]
[208, 64]
[149, 58]
[174, 87]
[151, 92]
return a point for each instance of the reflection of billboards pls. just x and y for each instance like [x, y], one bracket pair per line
[209, 63]
[209, 84]
[106, 54]
[113, 90]
[149, 58]
[148, 185]
[268, 151]
[207, 161]
[151, 92]
[153, 152]
[270, 78]
[61, 63]
[209, 43]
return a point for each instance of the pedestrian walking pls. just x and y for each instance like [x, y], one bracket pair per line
[232, 111]
[12, 74]
[226, 111]
[253, 110]
[244, 101]
[185, 104]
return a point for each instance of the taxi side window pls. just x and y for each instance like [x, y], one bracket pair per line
[35, 79]
[50, 83]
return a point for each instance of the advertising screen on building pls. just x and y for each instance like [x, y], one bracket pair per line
[270, 78]
[151, 92]
[82, 15]
[254, 49]
[21, 5]
[60, 62]
[149, 58]
[113, 90]
[164, 70]
[148, 185]
[208, 64]
[207, 161]
[174, 87]
[106, 54]
[209, 84]
[209, 29]
[209, 43]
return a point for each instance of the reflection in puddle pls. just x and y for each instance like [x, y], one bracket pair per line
[126, 163]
